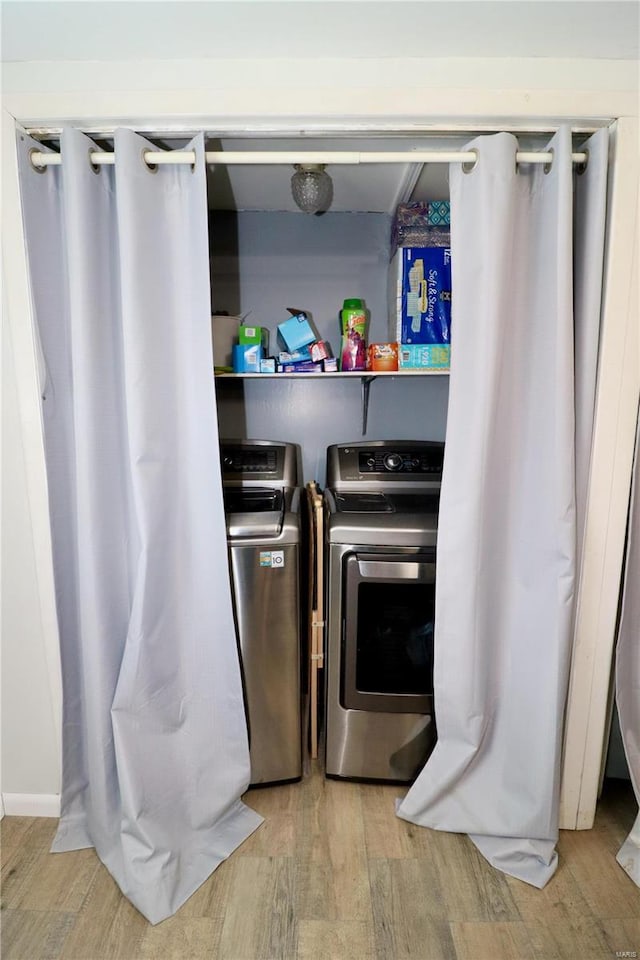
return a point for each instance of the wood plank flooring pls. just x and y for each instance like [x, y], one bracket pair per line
[332, 874]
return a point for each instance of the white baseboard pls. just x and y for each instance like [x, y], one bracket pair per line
[31, 804]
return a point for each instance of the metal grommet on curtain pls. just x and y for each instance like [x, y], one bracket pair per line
[547, 167]
[36, 166]
[468, 166]
[94, 166]
[581, 168]
[151, 167]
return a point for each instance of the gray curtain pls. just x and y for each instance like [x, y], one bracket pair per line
[628, 669]
[507, 530]
[155, 752]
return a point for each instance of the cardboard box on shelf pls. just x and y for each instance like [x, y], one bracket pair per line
[247, 357]
[295, 356]
[382, 356]
[296, 332]
[224, 334]
[305, 366]
[254, 335]
[320, 350]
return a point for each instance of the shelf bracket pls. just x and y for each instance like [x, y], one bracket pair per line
[365, 384]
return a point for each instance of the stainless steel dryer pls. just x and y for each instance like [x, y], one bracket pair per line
[381, 520]
[262, 508]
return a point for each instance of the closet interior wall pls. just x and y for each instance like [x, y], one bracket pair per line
[265, 262]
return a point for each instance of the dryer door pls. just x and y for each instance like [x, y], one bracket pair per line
[388, 632]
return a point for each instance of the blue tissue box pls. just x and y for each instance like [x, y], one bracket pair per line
[296, 332]
[247, 357]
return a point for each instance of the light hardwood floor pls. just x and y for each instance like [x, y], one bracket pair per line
[331, 874]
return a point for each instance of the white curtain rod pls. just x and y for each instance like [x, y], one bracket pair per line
[157, 157]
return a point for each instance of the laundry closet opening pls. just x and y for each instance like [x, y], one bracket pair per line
[268, 258]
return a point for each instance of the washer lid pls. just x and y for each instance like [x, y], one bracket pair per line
[253, 511]
[251, 499]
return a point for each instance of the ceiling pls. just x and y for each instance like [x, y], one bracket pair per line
[374, 188]
[267, 29]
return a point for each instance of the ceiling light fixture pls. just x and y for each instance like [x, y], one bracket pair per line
[312, 187]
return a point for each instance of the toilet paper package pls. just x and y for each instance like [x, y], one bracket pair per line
[424, 356]
[419, 292]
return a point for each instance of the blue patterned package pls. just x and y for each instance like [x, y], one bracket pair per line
[421, 225]
[420, 295]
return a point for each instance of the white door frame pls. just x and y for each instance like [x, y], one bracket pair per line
[377, 104]
[587, 720]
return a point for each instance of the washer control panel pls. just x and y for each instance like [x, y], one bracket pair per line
[259, 462]
[240, 460]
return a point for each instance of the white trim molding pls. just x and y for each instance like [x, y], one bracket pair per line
[608, 496]
[31, 804]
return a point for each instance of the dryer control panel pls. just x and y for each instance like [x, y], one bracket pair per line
[397, 461]
[379, 463]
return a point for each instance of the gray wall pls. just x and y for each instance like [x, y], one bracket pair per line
[263, 263]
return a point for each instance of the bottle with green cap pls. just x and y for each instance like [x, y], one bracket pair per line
[353, 320]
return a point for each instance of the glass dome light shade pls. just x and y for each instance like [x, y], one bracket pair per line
[312, 188]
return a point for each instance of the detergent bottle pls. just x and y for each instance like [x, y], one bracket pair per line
[353, 320]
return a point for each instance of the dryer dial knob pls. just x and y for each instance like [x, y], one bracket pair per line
[393, 461]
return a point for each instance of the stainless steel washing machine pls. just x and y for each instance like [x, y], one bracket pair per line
[262, 509]
[381, 506]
